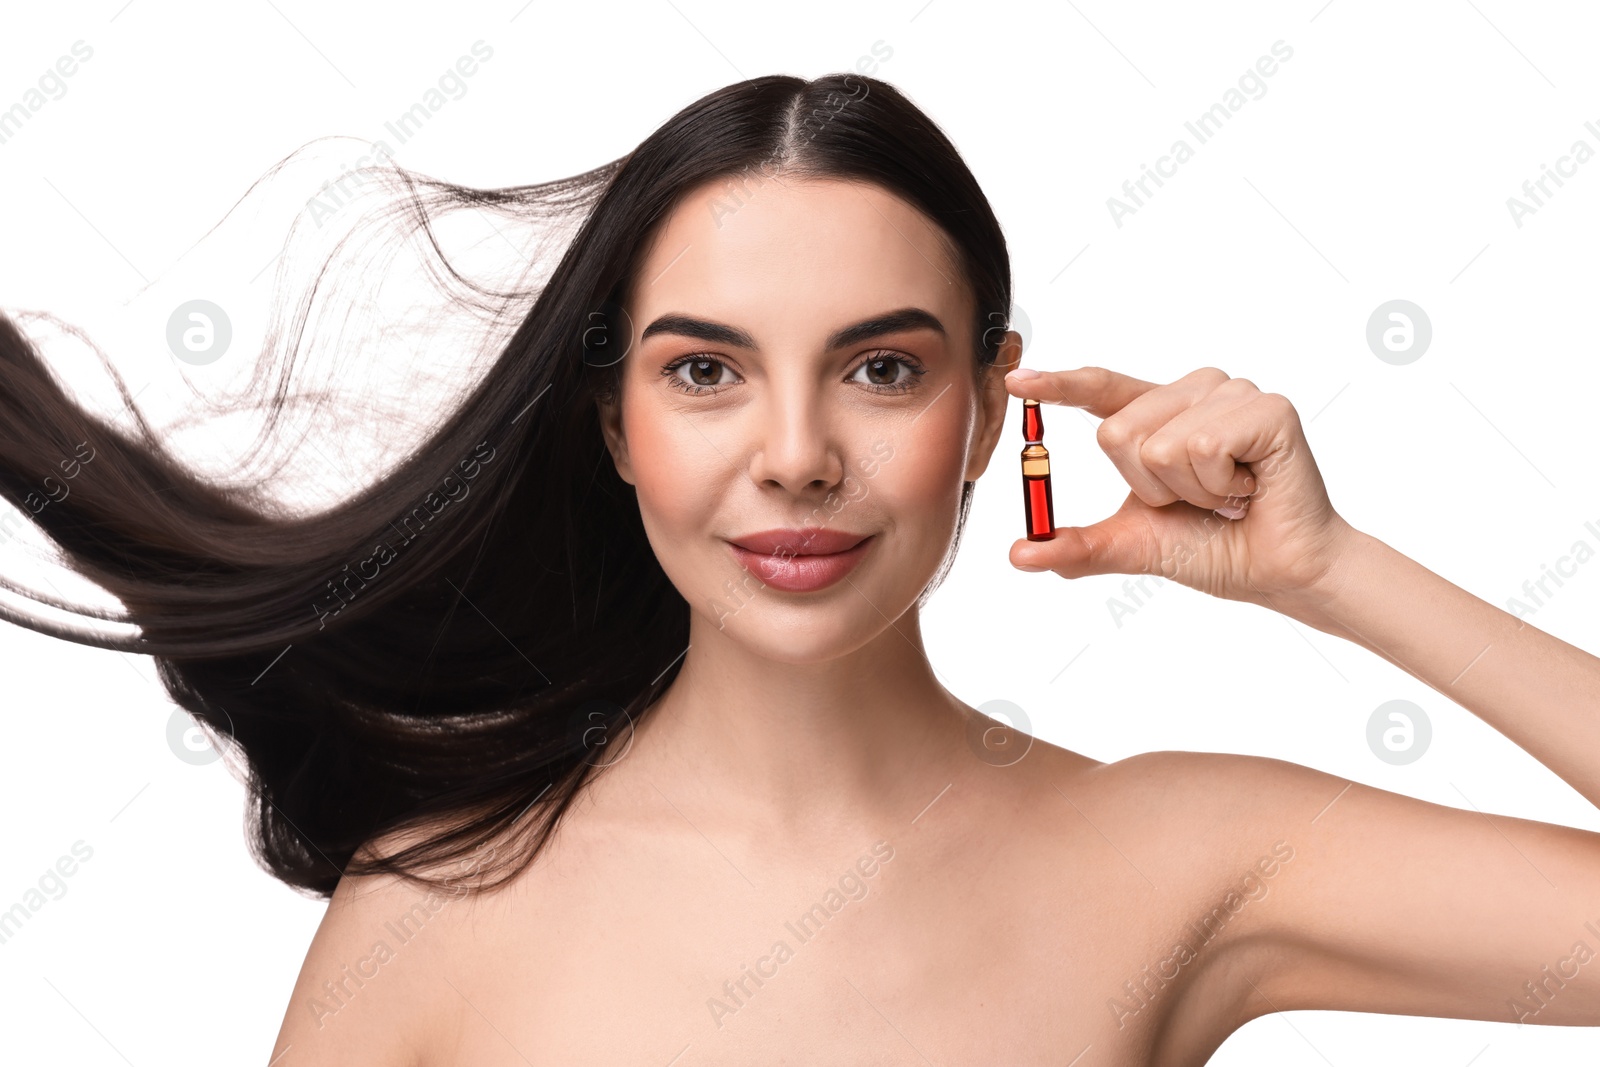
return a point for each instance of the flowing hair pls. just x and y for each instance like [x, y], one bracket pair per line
[461, 642]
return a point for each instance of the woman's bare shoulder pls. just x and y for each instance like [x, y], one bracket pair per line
[370, 989]
[1212, 777]
[1212, 784]
[1194, 817]
[1183, 844]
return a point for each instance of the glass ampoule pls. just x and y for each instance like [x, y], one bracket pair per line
[1038, 508]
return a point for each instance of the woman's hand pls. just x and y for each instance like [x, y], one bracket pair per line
[1204, 442]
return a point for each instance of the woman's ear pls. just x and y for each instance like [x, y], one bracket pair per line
[609, 407]
[992, 400]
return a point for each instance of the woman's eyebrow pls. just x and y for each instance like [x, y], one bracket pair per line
[908, 318]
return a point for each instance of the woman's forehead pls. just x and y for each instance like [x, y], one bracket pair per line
[829, 251]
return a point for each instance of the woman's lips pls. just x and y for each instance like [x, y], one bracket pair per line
[800, 574]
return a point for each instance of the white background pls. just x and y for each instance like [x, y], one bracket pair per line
[1376, 166]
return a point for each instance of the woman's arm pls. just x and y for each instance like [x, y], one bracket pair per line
[1207, 442]
[1539, 691]
[1415, 908]
[1392, 904]
[1375, 901]
[1387, 903]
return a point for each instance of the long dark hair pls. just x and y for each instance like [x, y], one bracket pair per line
[467, 638]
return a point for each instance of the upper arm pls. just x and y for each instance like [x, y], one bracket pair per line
[1397, 905]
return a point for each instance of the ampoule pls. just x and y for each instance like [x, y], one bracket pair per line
[1037, 506]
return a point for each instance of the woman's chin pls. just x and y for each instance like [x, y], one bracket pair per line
[800, 637]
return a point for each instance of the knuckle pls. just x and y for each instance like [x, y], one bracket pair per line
[1158, 451]
[1111, 436]
[1279, 402]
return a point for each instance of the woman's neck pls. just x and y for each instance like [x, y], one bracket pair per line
[755, 743]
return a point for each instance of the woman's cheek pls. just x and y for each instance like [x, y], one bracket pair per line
[919, 487]
[932, 463]
[677, 483]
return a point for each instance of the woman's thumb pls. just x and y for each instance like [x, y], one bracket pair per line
[1112, 546]
[1124, 543]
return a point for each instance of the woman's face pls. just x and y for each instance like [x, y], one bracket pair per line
[801, 359]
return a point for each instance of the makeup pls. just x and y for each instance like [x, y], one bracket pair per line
[1036, 503]
[800, 561]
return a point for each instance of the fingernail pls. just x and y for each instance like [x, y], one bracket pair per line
[1023, 373]
[1231, 513]
[1030, 567]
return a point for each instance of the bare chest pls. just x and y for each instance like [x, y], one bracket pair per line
[899, 949]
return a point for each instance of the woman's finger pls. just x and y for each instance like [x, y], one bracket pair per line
[1098, 390]
[1123, 436]
[1194, 453]
[1234, 439]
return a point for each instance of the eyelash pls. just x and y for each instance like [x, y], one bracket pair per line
[907, 383]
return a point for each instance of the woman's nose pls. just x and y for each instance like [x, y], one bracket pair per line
[792, 443]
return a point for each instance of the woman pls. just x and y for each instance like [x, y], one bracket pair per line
[605, 721]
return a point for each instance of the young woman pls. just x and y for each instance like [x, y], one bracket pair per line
[604, 718]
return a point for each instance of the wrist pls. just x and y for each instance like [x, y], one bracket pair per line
[1324, 601]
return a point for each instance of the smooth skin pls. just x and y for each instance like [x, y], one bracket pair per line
[808, 760]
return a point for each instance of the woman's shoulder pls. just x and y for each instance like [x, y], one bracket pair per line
[368, 990]
[1183, 817]
[1157, 777]
[1211, 785]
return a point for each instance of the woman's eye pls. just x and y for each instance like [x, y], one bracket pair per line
[883, 373]
[695, 374]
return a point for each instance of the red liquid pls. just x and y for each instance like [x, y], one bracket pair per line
[1032, 423]
[1041, 515]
